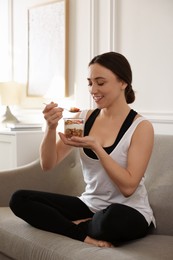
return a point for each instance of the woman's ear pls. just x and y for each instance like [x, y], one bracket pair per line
[124, 85]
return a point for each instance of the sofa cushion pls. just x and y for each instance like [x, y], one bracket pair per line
[159, 183]
[24, 242]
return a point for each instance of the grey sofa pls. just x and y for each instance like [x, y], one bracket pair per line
[20, 241]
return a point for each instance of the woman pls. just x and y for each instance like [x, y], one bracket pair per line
[115, 152]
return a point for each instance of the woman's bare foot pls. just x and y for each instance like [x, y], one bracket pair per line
[77, 222]
[92, 241]
[95, 242]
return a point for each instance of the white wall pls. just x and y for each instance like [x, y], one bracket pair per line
[5, 65]
[140, 29]
[146, 37]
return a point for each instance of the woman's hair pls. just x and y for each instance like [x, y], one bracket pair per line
[120, 66]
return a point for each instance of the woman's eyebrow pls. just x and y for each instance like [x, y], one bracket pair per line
[96, 78]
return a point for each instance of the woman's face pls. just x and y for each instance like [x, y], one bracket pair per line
[104, 86]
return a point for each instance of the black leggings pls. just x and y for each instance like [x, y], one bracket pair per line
[54, 212]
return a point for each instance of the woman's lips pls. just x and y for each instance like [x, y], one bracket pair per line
[97, 98]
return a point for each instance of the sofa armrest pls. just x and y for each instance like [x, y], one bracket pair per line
[61, 179]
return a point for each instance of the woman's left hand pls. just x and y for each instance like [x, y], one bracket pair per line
[84, 142]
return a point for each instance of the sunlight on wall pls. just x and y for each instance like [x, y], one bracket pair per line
[5, 48]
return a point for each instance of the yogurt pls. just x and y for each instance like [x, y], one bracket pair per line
[73, 127]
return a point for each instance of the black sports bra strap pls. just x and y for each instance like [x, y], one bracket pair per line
[90, 121]
[127, 123]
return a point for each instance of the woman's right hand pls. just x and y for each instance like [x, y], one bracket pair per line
[52, 114]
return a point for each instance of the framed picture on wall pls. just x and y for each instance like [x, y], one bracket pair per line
[47, 49]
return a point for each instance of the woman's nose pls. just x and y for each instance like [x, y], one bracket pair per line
[93, 89]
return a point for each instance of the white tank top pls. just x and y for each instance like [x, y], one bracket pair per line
[100, 190]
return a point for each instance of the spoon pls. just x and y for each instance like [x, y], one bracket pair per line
[71, 110]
